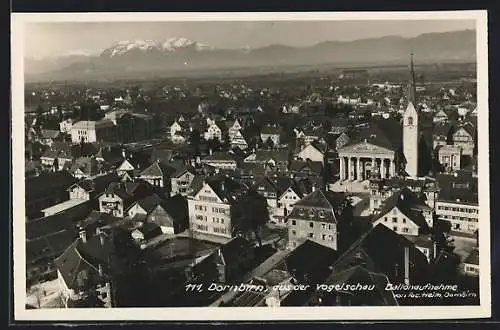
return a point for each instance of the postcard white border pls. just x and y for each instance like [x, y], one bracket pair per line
[253, 313]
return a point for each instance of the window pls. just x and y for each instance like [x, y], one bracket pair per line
[321, 214]
[311, 235]
[323, 237]
[410, 120]
[294, 222]
[329, 226]
[294, 232]
[331, 237]
[395, 219]
[385, 219]
[395, 228]
[404, 220]
[311, 224]
[406, 230]
[222, 220]
[323, 226]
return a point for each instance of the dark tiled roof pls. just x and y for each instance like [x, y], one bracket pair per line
[177, 207]
[385, 250]
[307, 165]
[263, 155]
[157, 169]
[97, 184]
[358, 274]
[309, 259]
[270, 129]
[460, 186]
[225, 187]
[149, 203]
[47, 183]
[385, 133]
[97, 219]
[234, 249]
[80, 261]
[219, 156]
[408, 203]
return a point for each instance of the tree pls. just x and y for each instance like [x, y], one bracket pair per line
[249, 213]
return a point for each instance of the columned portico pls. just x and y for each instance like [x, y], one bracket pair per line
[359, 162]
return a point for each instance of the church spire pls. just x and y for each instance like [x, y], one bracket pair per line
[412, 89]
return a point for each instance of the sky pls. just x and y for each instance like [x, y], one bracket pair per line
[51, 39]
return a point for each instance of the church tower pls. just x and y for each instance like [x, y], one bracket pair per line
[411, 128]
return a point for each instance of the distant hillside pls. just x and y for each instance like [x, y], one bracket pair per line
[133, 58]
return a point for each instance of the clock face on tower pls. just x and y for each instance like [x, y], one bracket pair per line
[410, 121]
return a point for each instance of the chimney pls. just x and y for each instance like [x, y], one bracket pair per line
[83, 236]
[101, 272]
[407, 265]
[434, 246]
[124, 154]
[210, 151]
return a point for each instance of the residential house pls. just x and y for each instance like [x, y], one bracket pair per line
[374, 295]
[307, 265]
[311, 152]
[274, 160]
[442, 136]
[93, 131]
[238, 141]
[86, 167]
[118, 196]
[317, 217]
[57, 157]
[210, 206]
[213, 132]
[226, 264]
[85, 272]
[404, 213]
[465, 138]
[181, 180]
[271, 131]
[234, 129]
[65, 125]
[291, 195]
[157, 174]
[221, 160]
[162, 213]
[457, 201]
[382, 251]
[49, 136]
[449, 157]
[440, 117]
[90, 188]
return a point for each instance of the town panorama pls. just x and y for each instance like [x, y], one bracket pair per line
[312, 186]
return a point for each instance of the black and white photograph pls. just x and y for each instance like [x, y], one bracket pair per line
[212, 166]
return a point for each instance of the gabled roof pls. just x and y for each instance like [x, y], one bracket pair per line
[322, 199]
[263, 155]
[97, 184]
[234, 249]
[385, 133]
[149, 203]
[157, 169]
[226, 188]
[385, 250]
[379, 296]
[80, 261]
[408, 203]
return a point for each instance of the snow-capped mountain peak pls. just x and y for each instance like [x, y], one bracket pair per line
[169, 45]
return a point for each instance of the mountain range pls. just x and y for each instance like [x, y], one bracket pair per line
[138, 57]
